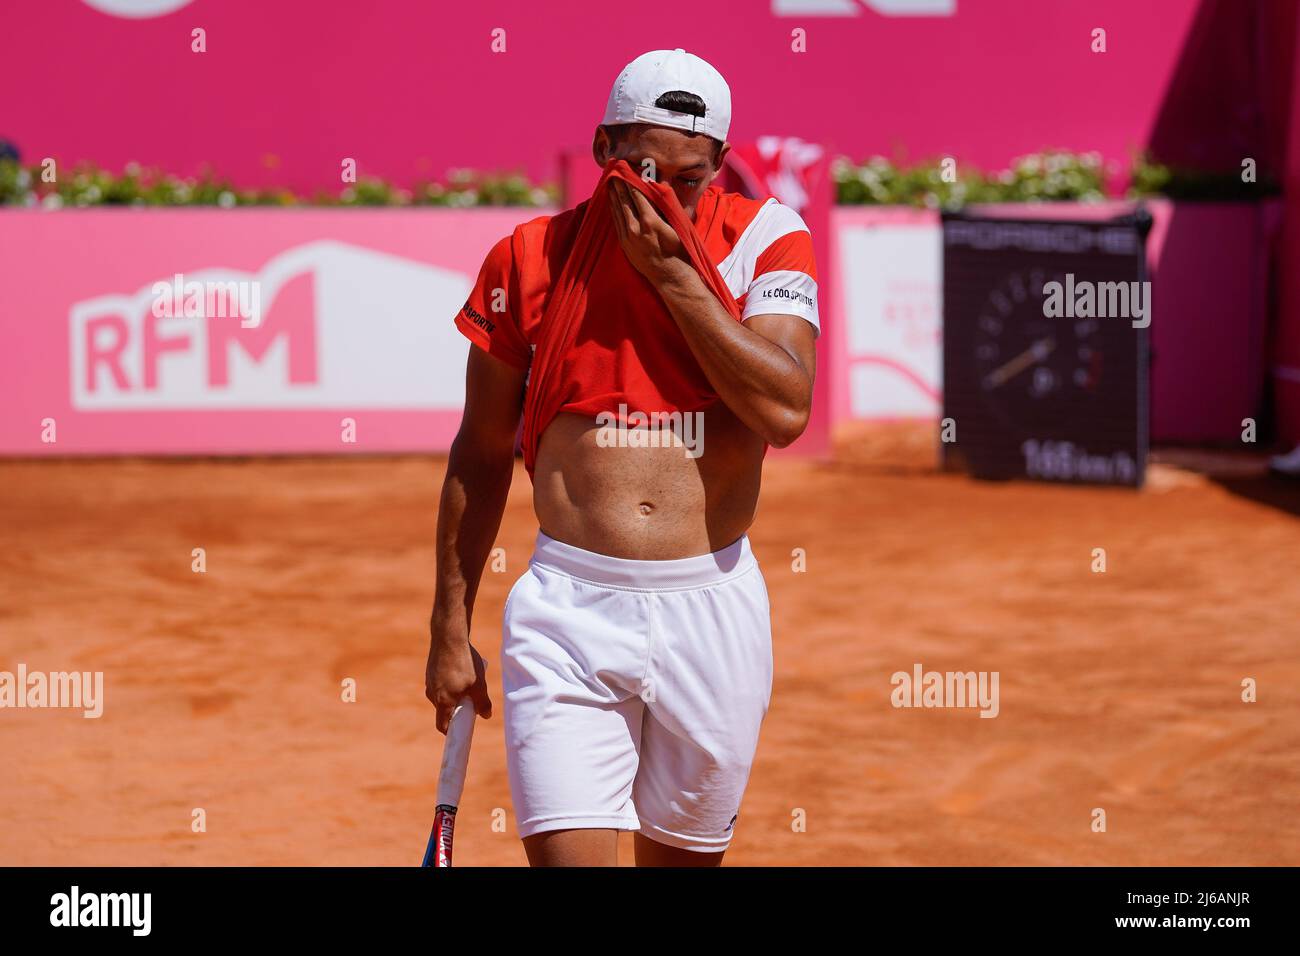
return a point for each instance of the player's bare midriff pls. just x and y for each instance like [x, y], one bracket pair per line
[647, 503]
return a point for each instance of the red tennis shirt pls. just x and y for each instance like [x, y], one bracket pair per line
[622, 346]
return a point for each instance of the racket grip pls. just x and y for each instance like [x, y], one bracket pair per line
[438, 852]
[451, 784]
[455, 755]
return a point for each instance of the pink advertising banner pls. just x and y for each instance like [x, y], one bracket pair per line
[244, 331]
[311, 331]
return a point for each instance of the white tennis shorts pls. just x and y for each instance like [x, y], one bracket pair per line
[634, 691]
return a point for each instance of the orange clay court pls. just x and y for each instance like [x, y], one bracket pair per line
[1119, 690]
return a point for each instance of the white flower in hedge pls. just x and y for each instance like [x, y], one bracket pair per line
[226, 200]
[52, 201]
[24, 179]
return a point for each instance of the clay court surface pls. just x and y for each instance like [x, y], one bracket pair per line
[223, 690]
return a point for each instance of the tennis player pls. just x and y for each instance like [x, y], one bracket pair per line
[637, 649]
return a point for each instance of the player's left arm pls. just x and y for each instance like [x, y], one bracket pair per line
[763, 368]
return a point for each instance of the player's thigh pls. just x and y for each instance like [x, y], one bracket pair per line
[652, 853]
[593, 847]
[572, 727]
[712, 681]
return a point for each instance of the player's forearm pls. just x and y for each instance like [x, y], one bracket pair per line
[758, 380]
[469, 516]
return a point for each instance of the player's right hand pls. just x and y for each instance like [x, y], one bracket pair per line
[455, 671]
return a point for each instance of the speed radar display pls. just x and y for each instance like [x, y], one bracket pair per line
[1045, 348]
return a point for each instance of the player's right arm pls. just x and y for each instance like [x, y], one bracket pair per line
[479, 468]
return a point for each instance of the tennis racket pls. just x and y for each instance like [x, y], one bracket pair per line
[451, 781]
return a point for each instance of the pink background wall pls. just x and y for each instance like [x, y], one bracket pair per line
[1286, 345]
[409, 88]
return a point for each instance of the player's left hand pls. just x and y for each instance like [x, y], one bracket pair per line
[651, 245]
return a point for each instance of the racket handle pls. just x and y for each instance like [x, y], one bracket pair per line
[455, 755]
[451, 784]
[438, 852]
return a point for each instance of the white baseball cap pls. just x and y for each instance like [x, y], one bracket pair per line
[651, 75]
